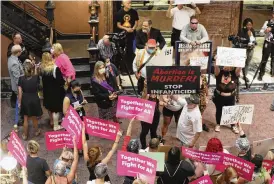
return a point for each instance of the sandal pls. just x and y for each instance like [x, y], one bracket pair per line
[38, 132]
[24, 137]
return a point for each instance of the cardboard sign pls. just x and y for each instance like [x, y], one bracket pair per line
[128, 107]
[199, 61]
[130, 164]
[190, 1]
[158, 156]
[234, 57]
[202, 180]
[73, 123]
[173, 79]
[244, 168]
[263, 146]
[101, 128]
[164, 58]
[237, 114]
[267, 164]
[59, 139]
[205, 157]
[16, 148]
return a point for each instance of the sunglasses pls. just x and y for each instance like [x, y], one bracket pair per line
[194, 22]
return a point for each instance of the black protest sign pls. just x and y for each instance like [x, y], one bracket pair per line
[166, 80]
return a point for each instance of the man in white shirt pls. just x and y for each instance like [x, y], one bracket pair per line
[140, 62]
[181, 15]
[268, 47]
[190, 122]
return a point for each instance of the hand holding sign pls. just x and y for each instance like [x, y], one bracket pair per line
[234, 57]
[237, 114]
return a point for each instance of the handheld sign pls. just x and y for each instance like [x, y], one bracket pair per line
[234, 57]
[173, 79]
[199, 61]
[101, 128]
[73, 123]
[16, 148]
[59, 139]
[128, 107]
[202, 180]
[272, 180]
[263, 146]
[244, 168]
[164, 58]
[237, 114]
[190, 1]
[158, 156]
[130, 164]
[205, 157]
[267, 164]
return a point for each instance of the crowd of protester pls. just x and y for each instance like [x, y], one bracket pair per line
[57, 77]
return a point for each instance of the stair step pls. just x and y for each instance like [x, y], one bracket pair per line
[82, 70]
[79, 61]
[84, 81]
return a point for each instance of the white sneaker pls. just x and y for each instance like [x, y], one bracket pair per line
[217, 128]
[235, 130]
[56, 125]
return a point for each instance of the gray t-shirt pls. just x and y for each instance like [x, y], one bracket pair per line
[36, 170]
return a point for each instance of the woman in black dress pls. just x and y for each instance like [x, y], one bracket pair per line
[53, 88]
[28, 98]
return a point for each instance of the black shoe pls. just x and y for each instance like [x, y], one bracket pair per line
[260, 78]
[205, 128]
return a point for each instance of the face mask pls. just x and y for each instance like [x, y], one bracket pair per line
[150, 51]
[234, 180]
[77, 92]
[102, 71]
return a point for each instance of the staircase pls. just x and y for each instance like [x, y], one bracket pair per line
[31, 22]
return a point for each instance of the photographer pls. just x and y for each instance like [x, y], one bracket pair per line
[248, 41]
[106, 49]
[268, 47]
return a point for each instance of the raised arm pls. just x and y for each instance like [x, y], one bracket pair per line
[129, 128]
[169, 13]
[216, 68]
[113, 149]
[85, 144]
[238, 71]
[196, 8]
[74, 164]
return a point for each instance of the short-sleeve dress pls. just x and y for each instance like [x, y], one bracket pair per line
[30, 104]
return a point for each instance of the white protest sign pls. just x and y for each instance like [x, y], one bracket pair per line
[263, 146]
[237, 114]
[190, 1]
[231, 57]
[164, 58]
[199, 61]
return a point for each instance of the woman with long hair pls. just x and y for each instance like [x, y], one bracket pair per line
[38, 169]
[53, 89]
[93, 154]
[63, 62]
[104, 91]
[28, 99]
[229, 176]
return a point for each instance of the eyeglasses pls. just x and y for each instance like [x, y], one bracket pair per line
[194, 22]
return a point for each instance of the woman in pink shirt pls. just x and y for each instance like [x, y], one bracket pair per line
[63, 62]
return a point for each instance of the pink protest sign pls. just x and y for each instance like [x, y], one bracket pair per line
[267, 164]
[16, 148]
[73, 123]
[59, 139]
[128, 107]
[131, 164]
[244, 168]
[272, 180]
[101, 128]
[203, 180]
[206, 157]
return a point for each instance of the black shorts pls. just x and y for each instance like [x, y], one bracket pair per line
[175, 36]
[169, 113]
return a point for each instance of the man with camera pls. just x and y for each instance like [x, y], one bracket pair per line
[148, 32]
[268, 46]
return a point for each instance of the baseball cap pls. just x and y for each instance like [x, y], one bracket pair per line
[193, 99]
[151, 43]
[242, 144]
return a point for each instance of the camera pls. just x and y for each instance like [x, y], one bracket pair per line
[119, 39]
[236, 41]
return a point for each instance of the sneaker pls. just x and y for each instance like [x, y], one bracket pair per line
[24, 137]
[235, 129]
[260, 78]
[217, 128]
[57, 127]
[205, 128]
